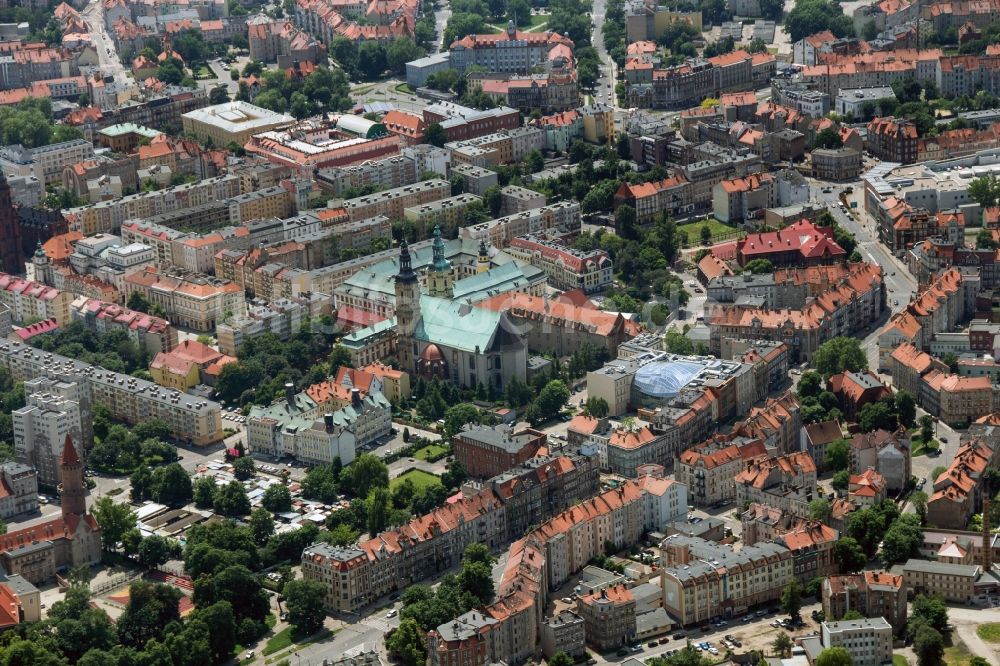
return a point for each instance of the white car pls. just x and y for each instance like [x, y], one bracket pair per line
[392, 613]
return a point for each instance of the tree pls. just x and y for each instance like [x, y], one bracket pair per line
[791, 600]
[928, 644]
[277, 498]
[596, 407]
[407, 643]
[304, 600]
[219, 621]
[706, 234]
[820, 509]
[534, 162]
[155, 550]
[985, 190]
[839, 354]
[151, 607]
[560, 659]
[400, 51]
[677, 343]
[261, 525]
[931, 610]
[625, 221]
[231, 500]
[552, 398]
[434, 135]
[848, 552]
[902, 540]
[811, 16]
[810, 384]
[458, 416]
[837, 454]
[218, 95]
[919, 501]
[835, 656]
[377, 509]
[828, 138]
[759, 267]
[114, 519]
[984, 240]
[365, 473]
[371, 57]
[172, 486]
[203, 491]
[906, 408]
[771, 10]
[519, 11]
[244, 468]
[782, 644]
[926, 428]
[477, 579]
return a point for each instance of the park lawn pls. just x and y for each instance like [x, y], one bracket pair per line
[279, 641]
[919, 448]
[419, 477]
[537, 20]
[404, 88]
[989, 632]
[899, 660]
[717, 228]
[430, 451]
[957, 655]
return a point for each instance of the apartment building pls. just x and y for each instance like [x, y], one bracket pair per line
[293, 427]
[30, 301]
[189, 299]
[107, 216]
[646, 20]
[561, 218]
[153, 334]
[956, 583]
[565, 267]
[850, 305]
[449, 211]
[739, 199]
[20, 486]
[957, 491]
[564, 632]
[40, 430]
[873, 594]
[492, 514]
[887, 453]
[468, 639]
[811, 544]
[512, 51]
[937, 308]
[279, 41]
[130, 399]
[869, 641]
[386, 173]
[836, 163]
[188, 364]
[764, 476]
[329, 19]
[46, 163]
[702, 579]
[392, 203]
[282, 317]
[709, 469]
[854, 390]
[893, 140]
[488, 451]
[608, 617]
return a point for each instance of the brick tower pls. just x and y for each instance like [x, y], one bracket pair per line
[73, 489]
[11, 253]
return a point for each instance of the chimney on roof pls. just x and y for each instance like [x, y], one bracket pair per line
[356, 398]
[290, 394]
[328, 421]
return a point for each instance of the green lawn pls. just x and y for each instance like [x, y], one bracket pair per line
[419, 477]
[957, 655]
[899, 660]
[919, 448]
[989, 632]
[430, 451]
[404, 88]
[279, 641]
[718, 229]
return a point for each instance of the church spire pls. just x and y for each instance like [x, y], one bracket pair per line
[440, 277]
[406, 273]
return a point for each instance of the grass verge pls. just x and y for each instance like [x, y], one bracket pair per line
[430, 451]
[418, 477]
[899, 660]
[404, 88]
[989, 632]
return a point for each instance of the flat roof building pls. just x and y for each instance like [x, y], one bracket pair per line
[232, 122]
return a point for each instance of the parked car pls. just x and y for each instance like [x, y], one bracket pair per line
[392, 613]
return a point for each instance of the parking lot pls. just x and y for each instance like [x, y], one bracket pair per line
[754, 631]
